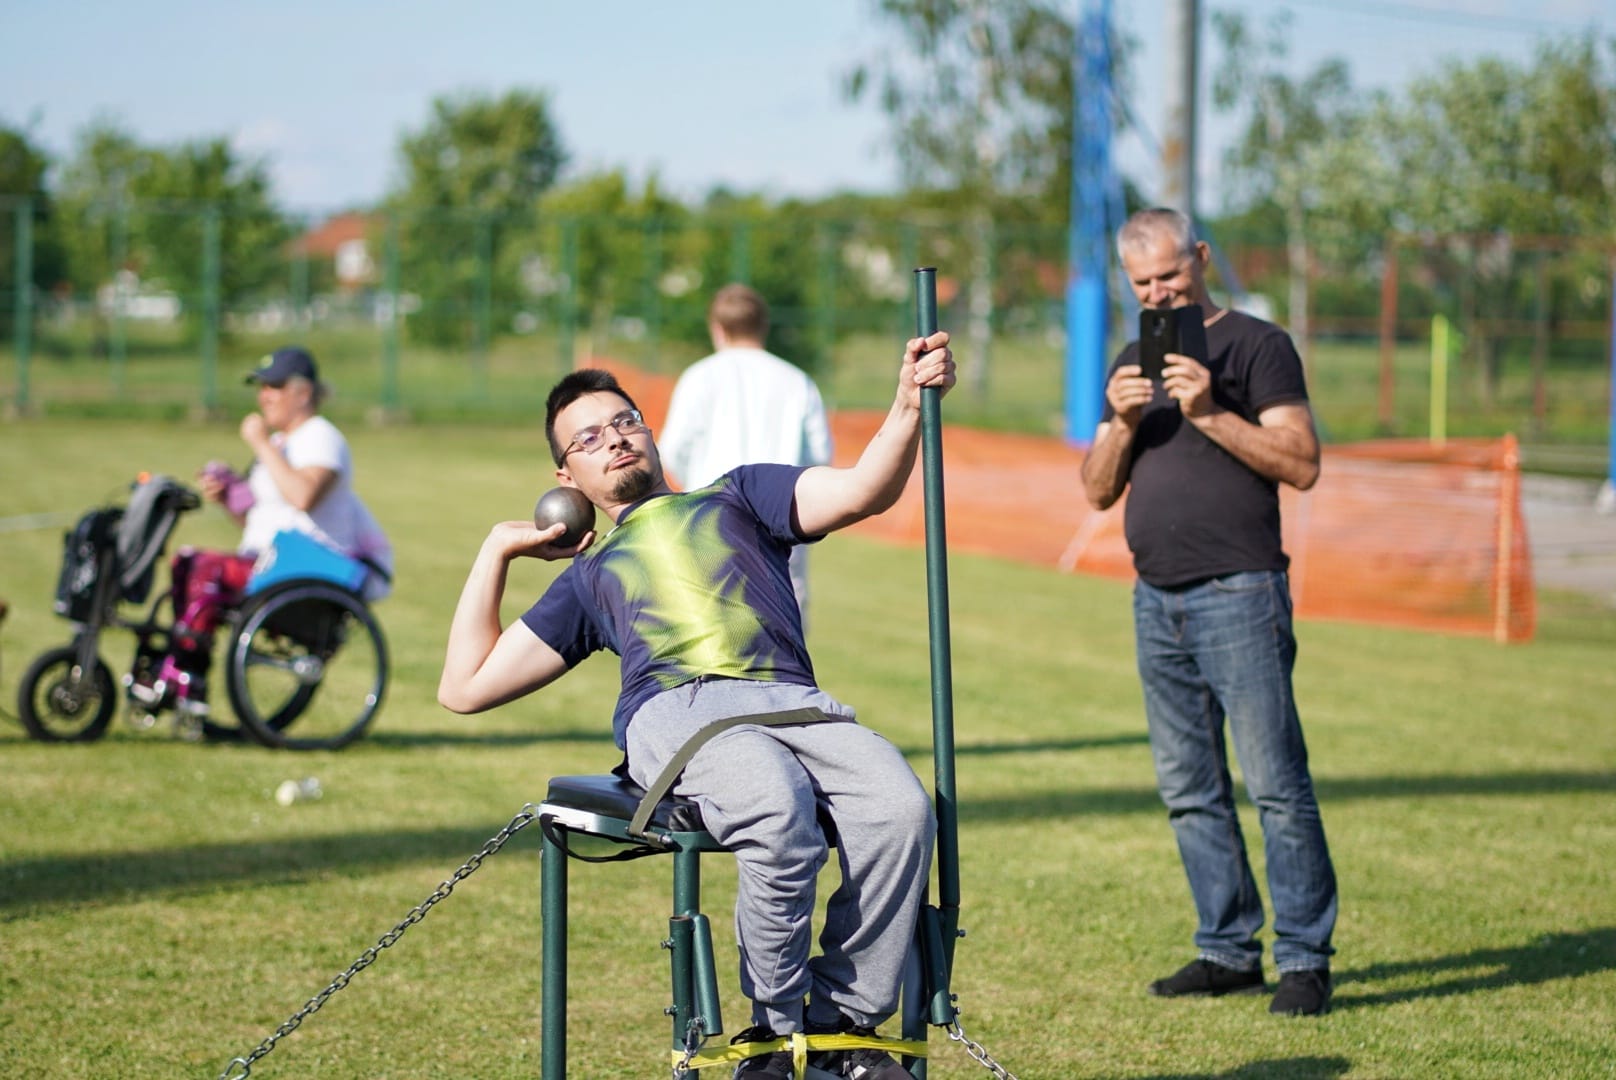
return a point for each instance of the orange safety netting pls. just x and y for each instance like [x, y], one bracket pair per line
[1396, 532]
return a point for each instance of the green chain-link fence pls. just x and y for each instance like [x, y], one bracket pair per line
[158, 308]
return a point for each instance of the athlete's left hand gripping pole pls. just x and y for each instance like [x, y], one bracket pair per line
[939, 927]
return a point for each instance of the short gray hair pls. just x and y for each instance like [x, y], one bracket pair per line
[1139, 229]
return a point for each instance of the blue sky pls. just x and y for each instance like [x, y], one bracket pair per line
[704, 92]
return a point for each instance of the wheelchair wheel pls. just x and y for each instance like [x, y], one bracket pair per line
[58, 701]
[307, 667]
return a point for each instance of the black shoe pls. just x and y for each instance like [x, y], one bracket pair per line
[1302, 993]
[1203, 978]
[775, 1066]
[865, 1063]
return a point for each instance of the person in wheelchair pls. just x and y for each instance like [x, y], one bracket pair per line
[301, 479]
[693, 592]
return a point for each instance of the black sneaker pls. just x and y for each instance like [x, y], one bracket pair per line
[1203, 978]
[864, 1063]
[1302, 993]
[775, 1066]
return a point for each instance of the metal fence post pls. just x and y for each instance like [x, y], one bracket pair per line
[1607, 494]
[825, 301]
[1385, 401]
[22, 298]
[483, 332]
[118, 345]
[210, 308]
[654, 258]
[740, 253]
[300, 286]
[394, 309]
[569, 292]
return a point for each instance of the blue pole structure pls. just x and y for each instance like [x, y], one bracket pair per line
[1086, 293]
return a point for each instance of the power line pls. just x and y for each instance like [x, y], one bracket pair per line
[1416, 13]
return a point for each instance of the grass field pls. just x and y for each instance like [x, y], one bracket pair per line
[161, 914]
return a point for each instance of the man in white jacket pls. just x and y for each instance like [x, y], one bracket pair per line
[743, 405]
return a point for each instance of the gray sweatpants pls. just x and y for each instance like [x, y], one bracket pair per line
[760, 790]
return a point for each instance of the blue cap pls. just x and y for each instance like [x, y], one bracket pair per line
[293, 361]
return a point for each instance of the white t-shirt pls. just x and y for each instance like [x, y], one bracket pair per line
[742, 406]
[340, 519]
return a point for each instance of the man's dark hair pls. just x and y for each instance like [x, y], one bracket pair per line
[570, 389]
[740, 311]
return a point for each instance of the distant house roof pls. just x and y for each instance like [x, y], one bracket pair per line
[341, 239]
[329, 236]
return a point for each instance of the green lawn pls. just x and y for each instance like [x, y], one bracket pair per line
[161, 914]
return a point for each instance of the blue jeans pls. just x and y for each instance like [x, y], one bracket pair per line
[1224, 649]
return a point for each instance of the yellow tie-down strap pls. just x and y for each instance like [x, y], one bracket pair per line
[799, 1045]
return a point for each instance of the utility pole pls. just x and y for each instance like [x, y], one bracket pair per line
[1178, 145]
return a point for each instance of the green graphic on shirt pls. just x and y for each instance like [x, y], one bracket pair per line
[687, 597]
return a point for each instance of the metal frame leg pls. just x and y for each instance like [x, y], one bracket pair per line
[686, 905]
[553, 1007]
[912, 1009]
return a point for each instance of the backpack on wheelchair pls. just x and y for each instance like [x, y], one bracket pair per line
[304, 661]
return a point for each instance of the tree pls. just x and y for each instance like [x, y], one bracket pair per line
[987, 114]
[95, 193]
[1296, 148]
[238, 221]
[23, 167]
[173, 215]
[988, 110]
[1495, 146]
[473, 176]
[1496, 151]
[622, 253]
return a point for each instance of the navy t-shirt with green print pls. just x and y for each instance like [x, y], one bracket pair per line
[687, 586]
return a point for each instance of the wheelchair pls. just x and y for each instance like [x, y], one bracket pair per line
[303, 659]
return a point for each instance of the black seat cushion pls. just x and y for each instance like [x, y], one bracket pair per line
[616, 797]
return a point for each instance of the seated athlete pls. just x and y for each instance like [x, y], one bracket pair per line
[693, 592]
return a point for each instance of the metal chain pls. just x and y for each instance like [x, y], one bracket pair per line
[527, 816]
[695, 1038]
[978, 1052]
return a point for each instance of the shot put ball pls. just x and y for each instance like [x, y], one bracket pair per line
[568, 506]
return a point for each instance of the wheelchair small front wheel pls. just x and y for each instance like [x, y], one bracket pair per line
[306, 668]
[58, 700]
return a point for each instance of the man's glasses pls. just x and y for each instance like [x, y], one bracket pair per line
[590, 439]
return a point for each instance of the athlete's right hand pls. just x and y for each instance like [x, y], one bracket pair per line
[521, 539]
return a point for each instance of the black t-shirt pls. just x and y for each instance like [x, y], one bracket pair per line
[1194, 511]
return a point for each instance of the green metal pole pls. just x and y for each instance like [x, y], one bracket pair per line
[119, 345]
[394, 316]
[553, 978]
[942, 673]
[653, 292]
[210, 309]
[300, 288]
[567, 339]
[681, 943]
[22, 299]
[740, 253]
[485, 304]
[825, 302]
